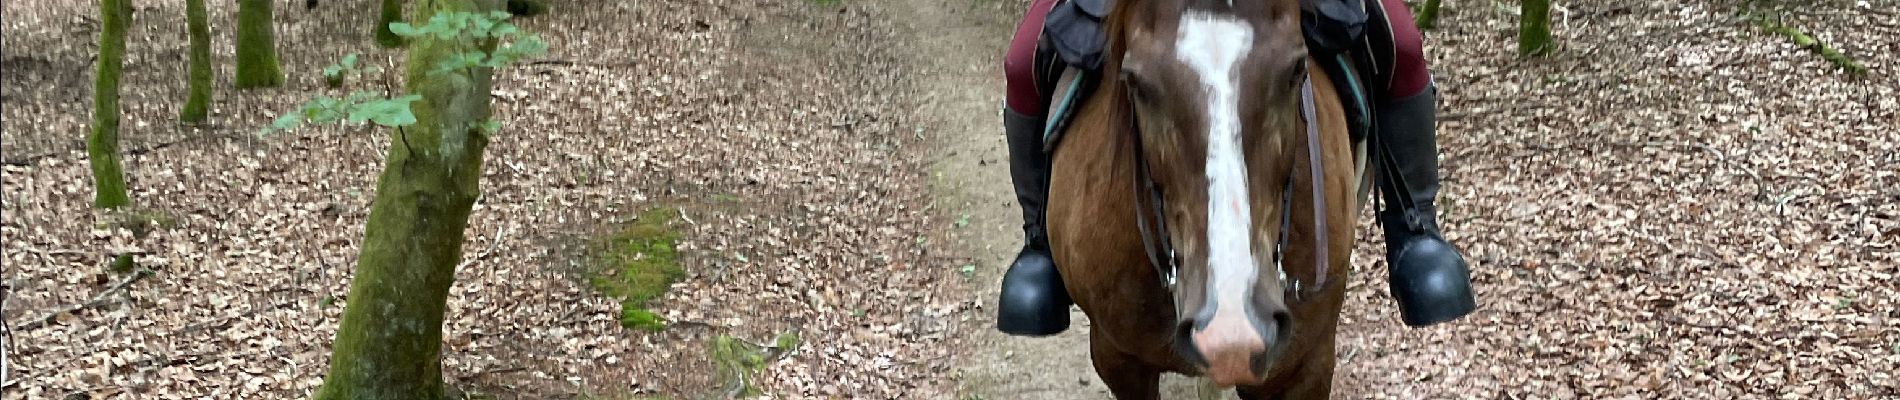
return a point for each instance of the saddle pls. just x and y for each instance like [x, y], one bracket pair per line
[1338, 33]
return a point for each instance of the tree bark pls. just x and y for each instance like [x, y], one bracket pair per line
[392, 13]
[527, 8]
[1533, 28]
[102, 145]
[388, 345]
[256, 46]
[198, 102]
[1428, 15]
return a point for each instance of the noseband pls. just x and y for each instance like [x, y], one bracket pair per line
[1154, 234]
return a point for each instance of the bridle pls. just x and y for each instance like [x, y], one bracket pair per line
[1149, 205]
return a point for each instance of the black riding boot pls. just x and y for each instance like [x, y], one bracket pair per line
[1428, 276]
[1033, 301]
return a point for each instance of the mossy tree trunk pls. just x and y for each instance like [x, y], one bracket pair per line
[392, 12]
[198, 102]
[388, 345]
[1428, 15]
[527, 8]
[256, 46]
[102, 144]
[1533, 28]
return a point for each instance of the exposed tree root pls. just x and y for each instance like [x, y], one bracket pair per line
[1809, 42]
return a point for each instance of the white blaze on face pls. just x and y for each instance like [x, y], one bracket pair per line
[1212, 47]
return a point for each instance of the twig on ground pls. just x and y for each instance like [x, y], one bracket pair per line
[29, 159]
[1761, 185]
[500, 233]
[6, 335]
[46, 256]
[162, 361]
[221, 323]
[683, 217]
[96, 300]
[1680, 320]
[497, 371]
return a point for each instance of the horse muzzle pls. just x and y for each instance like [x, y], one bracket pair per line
[1234, 348]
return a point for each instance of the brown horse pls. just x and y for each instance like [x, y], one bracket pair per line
[1170, 190]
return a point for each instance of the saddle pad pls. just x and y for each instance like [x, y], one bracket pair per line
[1076, 85]
[1073, 32]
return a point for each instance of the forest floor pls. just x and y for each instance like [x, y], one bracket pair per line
[1675, 204]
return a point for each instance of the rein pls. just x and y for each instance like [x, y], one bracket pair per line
[1154, 236]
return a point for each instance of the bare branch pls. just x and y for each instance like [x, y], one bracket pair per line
[500, 233]
[29, 159]
[96, 300]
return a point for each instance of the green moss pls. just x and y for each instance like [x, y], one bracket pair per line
[1805, 41]
[636, 264]
[391, 13]
[734, 362]
[1533, 29]
[633, 317]
[786, 342]
[1427, 15]
[121, 263]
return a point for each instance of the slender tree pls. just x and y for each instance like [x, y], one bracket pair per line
[392, 13]
[388, 345]
[198, 102]
[102, 145]
[1533, 28]
[256, 46]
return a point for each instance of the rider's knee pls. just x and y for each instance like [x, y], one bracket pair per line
[1019, 61]
[1409, 75]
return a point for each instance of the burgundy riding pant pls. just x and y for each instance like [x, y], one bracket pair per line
[1408, 77]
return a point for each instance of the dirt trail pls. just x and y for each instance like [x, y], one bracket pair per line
[957, 50]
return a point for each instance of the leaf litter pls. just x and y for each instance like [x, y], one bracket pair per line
[1673, 205]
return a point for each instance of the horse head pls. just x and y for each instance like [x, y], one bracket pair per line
[1214, 95]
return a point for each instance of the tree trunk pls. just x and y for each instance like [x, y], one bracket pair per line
[1533, 28]
[527, 8]
[388, 345]
[256, 46]
[1428, 15]
[392, 13]
[102, 145]
[198, 102]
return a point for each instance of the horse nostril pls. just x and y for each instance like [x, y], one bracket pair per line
[1184, 344]
[1282, 327]
[1278, 331]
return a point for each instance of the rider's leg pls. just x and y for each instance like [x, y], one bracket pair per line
[1428, 277]
[1033, 301]
[1019, 69]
